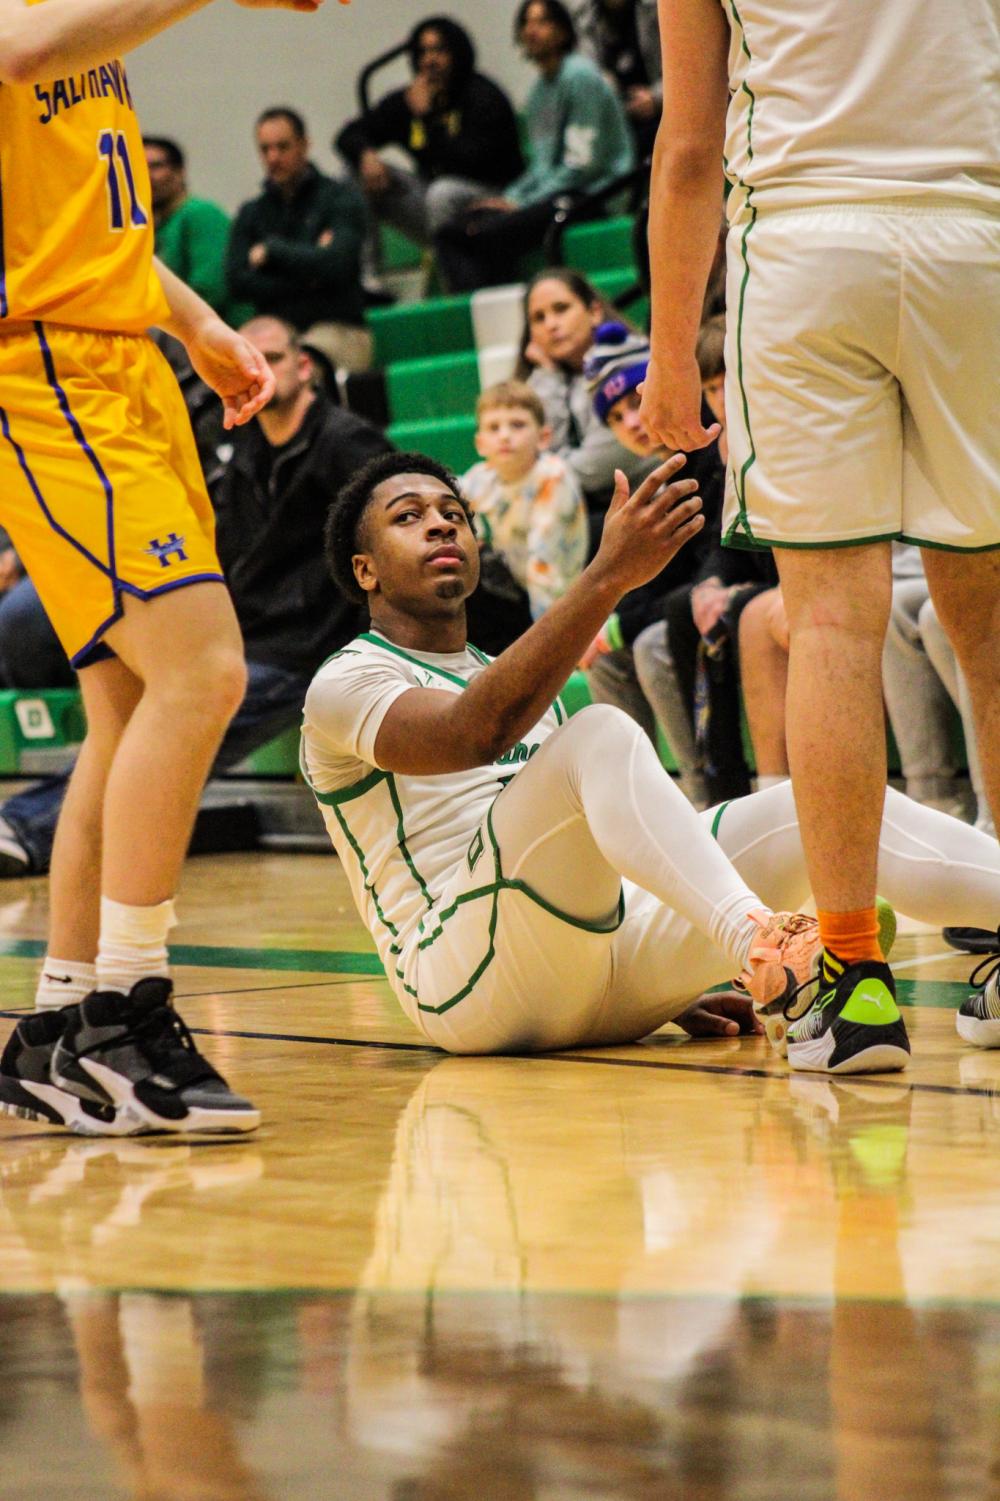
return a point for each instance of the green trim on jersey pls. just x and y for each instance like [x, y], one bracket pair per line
[397, 651]
[404, 848]
[742, 519]
[493, 890]
[369, 884]
[948, 546]
[348, 794]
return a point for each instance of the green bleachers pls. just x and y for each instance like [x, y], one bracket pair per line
[440, 325]
[604, 245]
[446, 385]
[447, 439]
[39, 730]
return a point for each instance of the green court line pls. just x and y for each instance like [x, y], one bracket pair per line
[320, 961]
[942, 995]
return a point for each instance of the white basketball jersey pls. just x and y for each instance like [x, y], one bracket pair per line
[847, 101]
[399, 838]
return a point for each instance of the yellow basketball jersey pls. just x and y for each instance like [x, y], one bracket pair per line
[76, 234]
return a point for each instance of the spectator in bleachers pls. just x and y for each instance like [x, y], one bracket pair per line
[580, 142]
[271, 484]
[923, 685]
[457, 127]
[752, 600]
[562, 311]
[526, 502]
[295, 251]
[623, 38]
[629, 665]
[192, 234]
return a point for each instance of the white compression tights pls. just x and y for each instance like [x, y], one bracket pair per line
[596, 805]
[931, 867]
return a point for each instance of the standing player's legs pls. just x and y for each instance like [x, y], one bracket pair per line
[110, 694]
[108, 508]
[837, 604]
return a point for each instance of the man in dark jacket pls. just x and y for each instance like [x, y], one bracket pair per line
[271, 484]
[295, 251]
[458, 127]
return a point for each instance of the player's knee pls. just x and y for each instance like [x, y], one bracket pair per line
[227, 672]
[211, 688]
[605, 726]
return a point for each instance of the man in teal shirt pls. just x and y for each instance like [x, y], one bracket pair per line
[580, 142]
[191, 233]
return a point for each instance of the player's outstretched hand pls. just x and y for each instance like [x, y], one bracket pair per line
[235, 370]
[723, 1013]
[643, 531]
[671, 406]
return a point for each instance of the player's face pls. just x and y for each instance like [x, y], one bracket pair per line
[560, 323]
[291, 367]
[434, 60]
[166, 181]
[283, 153]
[422, 556]
[628, 427]
[715, 394]
[509, 439]
[541, 38]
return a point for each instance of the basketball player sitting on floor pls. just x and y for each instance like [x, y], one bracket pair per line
[533, 882]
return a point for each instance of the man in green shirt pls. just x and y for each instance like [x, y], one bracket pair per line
[579, 143]
[191, 233]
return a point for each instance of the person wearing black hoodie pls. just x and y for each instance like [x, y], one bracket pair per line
[457, 126]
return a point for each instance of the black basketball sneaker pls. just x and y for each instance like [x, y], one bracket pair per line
[133, 1053]
[978, 1018]
[854, 1026]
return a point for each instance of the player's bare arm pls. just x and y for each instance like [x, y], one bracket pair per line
[426, 731]
[685, 203]
[38, 42]
[235, 370]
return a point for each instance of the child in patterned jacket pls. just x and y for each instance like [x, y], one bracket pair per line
[527, 504]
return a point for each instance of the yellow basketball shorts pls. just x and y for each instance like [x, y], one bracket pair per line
[101, 491]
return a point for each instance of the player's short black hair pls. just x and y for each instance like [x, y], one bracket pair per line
[283, 112]
[557, 14]
[170, 149]
[342, 536]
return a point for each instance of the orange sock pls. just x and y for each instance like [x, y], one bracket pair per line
[852, 936]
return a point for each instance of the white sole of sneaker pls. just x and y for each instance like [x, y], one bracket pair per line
[141, 1118]
[814, 1058]
[982, 1034]
[28, 1101]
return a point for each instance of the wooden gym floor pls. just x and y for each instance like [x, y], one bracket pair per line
[663, 1271]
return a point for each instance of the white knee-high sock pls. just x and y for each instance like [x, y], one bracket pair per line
[931, 866]
[133, 943]
[646, 829]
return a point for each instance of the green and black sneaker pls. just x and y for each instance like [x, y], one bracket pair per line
[854, 1026]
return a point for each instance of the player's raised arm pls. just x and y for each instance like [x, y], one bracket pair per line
[39, 42]
[685, 201]
[426, 732]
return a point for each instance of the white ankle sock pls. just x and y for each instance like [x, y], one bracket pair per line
[133, 943]
[63, 982]
[762, 783]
